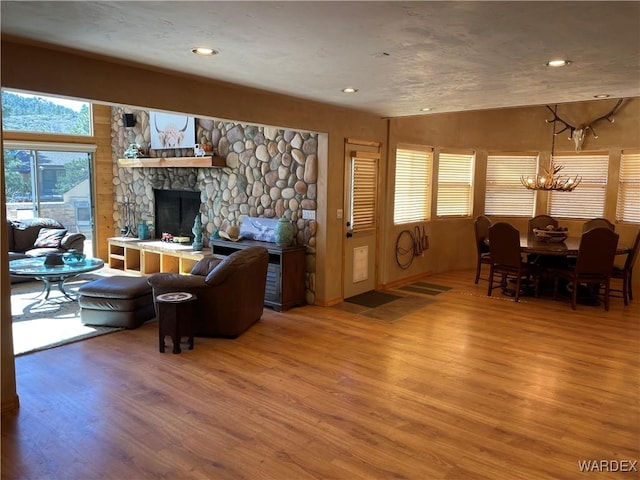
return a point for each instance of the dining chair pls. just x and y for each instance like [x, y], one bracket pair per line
[594, 263]
[541, 221]
[625, 272]
[597, 222]
[505, 257]
[481, 227]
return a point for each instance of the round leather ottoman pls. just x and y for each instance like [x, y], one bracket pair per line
[117, 301]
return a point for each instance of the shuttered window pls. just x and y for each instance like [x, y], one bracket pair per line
[587, 200]
[412, 200]
[364, 174]
[455, 181]
[505, 194]
[628, 209]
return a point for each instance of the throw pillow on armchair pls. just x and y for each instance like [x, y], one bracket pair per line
[49, 238]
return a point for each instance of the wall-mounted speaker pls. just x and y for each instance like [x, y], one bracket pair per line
[129, 119]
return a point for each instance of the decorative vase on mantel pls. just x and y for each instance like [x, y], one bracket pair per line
[284, 232]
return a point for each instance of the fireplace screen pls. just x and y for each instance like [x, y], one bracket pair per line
[175, 212]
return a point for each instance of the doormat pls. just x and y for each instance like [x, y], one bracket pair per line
[398, 309]
[372, 299]
[425, 288]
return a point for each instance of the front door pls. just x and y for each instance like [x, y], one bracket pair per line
[360, 220]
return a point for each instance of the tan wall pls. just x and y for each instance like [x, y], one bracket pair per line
[516, 129]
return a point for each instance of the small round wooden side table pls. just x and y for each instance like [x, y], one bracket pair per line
[175, 318]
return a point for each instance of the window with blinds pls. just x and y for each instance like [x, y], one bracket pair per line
[505, 194]
[364, 174]
[412, 200]
[587, 200]
[628, 208]
[455, 181]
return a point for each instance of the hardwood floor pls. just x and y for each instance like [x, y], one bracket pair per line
[465, 387]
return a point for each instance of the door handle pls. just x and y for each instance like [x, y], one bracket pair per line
[349, 230]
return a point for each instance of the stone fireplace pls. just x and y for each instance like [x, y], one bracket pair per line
[270, 172]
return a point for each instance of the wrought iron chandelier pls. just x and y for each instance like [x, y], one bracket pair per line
[551, 180]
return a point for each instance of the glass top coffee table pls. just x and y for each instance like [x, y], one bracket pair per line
[36, 268]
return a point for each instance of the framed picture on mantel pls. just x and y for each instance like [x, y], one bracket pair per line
[169, 130]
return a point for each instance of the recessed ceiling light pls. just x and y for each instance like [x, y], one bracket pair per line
[425, 109]
[204, 51]
[349, 90]
[602, 95]
[558, 63]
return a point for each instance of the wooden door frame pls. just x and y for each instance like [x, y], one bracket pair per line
[350, 145]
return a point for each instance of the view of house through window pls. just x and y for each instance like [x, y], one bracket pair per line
[48, 178]
[50, 183]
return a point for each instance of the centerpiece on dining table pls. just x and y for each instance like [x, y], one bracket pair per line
[551, 233]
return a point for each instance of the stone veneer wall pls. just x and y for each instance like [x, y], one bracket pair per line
[270, 173]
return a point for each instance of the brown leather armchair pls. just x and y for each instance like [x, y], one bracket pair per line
[230, 292]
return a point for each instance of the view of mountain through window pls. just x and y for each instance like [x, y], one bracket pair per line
[24, 112]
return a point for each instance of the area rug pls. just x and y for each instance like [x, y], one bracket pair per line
[372, 298]
[39, 325]
[425, 288]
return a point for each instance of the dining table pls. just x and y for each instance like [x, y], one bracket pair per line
[567, 248]
[529, 244]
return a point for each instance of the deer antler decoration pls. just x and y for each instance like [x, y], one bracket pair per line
[551, 178]
[579, 133]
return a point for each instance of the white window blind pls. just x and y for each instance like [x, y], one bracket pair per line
[455, 180]
[587, 200]
[628, 209]
[364, 175]
[412, 201]
[505, 194]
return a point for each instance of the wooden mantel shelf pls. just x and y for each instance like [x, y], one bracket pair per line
[155, 162]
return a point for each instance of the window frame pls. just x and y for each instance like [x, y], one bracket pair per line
[588, 200]
[511, 189]
[364, 191]
[628, 196]
[464, 183]
[57, 100]
[411, 198]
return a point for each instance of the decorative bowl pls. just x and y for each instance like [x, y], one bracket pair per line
[556, 236]
[73, 258]
[53, 260]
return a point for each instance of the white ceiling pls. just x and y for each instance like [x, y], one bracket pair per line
[402, 56]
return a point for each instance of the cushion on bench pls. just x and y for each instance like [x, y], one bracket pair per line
[117, 287]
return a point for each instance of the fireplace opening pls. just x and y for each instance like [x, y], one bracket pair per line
[175, 212]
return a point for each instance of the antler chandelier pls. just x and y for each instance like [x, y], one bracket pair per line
[551, 180]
